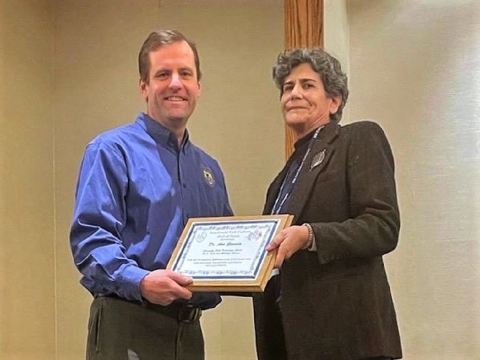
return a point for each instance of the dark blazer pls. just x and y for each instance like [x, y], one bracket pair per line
[336, 302]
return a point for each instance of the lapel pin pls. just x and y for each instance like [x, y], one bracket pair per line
[318, 159]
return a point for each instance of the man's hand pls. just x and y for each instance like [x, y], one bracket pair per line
[164, 286]
[288, 242]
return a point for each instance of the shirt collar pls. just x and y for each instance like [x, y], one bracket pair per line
[161, 134]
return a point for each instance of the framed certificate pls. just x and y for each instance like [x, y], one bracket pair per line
[228, 253]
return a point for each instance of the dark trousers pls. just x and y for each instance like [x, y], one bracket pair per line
[122, 330]
[269, 335]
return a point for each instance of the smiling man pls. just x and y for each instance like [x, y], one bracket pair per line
[171, 87]
[138, 185]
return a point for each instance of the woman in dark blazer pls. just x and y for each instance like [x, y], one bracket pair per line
[332, 299]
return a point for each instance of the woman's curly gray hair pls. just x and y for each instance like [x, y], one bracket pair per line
[330, 71]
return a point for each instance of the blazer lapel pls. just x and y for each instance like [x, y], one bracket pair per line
[315, 163]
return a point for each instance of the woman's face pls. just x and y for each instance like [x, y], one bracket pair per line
[305, 105]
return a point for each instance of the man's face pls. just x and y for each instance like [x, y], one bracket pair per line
[172, 89]
[305, 105]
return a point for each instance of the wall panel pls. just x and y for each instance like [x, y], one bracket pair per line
[415, 68]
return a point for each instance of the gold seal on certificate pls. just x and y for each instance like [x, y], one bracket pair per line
[228, 253]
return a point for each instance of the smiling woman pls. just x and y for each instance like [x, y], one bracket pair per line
[339, 184]
[305, 104]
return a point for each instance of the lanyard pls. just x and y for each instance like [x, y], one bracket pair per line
[283, 194]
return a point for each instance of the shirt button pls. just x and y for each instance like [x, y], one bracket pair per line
[184, 185]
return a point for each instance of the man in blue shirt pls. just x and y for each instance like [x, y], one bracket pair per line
[137, 187]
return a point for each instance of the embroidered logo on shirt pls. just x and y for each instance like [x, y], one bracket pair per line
[208, 176]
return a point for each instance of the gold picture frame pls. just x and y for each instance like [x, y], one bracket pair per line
[227, 254]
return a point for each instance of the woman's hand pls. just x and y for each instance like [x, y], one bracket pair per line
[288, 242]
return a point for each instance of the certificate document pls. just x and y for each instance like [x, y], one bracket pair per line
[228, 253]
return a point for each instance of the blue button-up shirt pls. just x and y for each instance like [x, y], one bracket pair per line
[136, 190]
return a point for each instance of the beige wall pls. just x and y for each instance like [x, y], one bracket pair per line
[415, 68]
[27, 276]
[336, 38]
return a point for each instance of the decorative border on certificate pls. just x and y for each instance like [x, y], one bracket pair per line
[228, 253]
